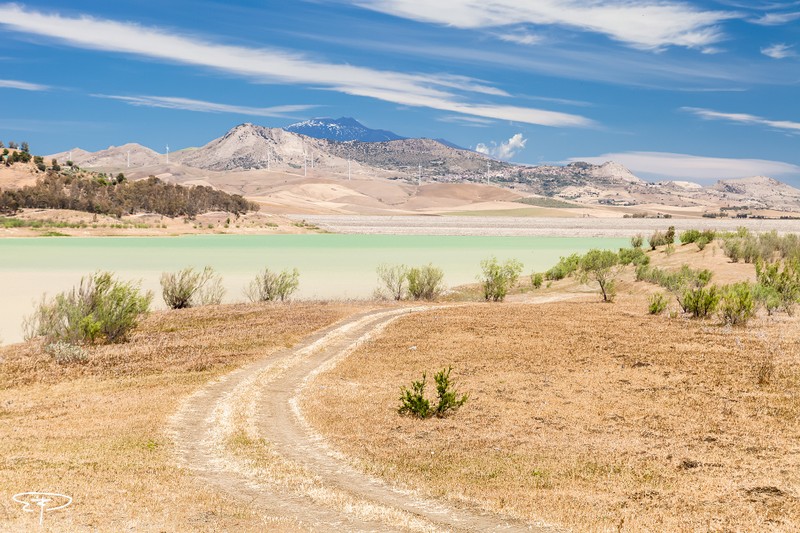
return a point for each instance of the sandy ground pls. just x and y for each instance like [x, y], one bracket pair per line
[532, 226]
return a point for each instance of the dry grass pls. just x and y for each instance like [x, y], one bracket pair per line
[96, 431]
[588, 415]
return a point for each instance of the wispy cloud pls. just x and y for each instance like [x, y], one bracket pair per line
[776, 19]
[519, 36]
[665, 165]
[744, 118]
[188, 104]
[466, 121]
[22, 85]
[504, 150]
[778, 51]
[264, 65]
[644, 24]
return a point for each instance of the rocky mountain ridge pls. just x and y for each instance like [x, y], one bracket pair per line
[341, 129]
[248, 147]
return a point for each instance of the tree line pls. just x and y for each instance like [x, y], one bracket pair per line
[117, 197]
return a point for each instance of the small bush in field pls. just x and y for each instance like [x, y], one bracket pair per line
[497, 279]
[737, 304]
[190, 288]
[393, 280]
[637, 241]
[537, 278]
[271, 286]
[657, 303]
[425, 282]
[701, 301]
[414, 403]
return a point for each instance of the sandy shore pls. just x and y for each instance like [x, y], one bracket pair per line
[532, 226]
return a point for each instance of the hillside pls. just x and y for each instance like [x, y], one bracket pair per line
[266, 162]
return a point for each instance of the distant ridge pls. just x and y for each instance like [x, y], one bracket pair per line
[341, 129]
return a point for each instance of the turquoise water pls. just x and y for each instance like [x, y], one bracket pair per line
[331, 266]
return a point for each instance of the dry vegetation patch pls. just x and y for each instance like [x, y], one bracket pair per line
[588, 415]
[95, 431]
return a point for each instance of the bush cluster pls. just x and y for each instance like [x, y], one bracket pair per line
[565, 267]
[271, 286]
[100, 310]
[96, 194]
[659, 238]
[413, 401]
[419, 283]
[190, 288]
[749, 247]
[497, 279]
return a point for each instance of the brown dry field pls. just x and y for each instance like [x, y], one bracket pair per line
[96, 431]
[588, 416]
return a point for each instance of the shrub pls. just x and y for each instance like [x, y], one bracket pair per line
[536, 280]
[782, 277]
[414, 403]
[701, 302]
[633, 256]
[601, 266]
[669, 237]
[100, 310]
[768, 297]
[566, 266]
[270, 286]
[657, 303]
[425, 282]
[498, 278]
[701, 242]
[393, 280]
[189, 288]
[637, 241]
[656, 239]
[689, 236]
[737, 304]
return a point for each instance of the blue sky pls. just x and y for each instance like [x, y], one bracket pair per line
[672, 89]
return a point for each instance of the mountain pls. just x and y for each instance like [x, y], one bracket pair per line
[113, 157]
[289, 156]
[341, 129]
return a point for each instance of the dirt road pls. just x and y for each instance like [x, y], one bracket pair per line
[246, 435]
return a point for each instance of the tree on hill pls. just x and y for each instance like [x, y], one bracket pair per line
[24, 147]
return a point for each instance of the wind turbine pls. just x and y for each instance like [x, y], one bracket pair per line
[168, 154]
[129, 159]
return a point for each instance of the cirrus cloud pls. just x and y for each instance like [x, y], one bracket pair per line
[444, 92]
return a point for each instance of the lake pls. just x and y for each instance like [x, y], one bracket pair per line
[331, 266]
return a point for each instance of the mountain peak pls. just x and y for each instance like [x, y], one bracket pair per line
[342, 129]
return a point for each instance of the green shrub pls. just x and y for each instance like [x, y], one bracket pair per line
[601, 266]
[536, 280]
[689, 236]
[701, 242]
[414, 403]
[768, 297]
[425, 282]
[633, 256]
[782, 277]
[669, 236]
[393, 281]
[637, 241]
[657, 239]
[497, 279]
[190, 288]
[737, 304]
[657, 303]
[566, 266]
[701, 302]
[100, 310]
[271, 286]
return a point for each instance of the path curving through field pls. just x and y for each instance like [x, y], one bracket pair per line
[246, 435]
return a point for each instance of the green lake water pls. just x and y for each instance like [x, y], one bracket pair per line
[331, 266]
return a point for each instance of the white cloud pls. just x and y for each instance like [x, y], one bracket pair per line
[505, 150]
[188, 104]
[466, 121]
[644, 24]
[744, 118]
[776, 19]
[22, 85]
[519, 37]
[778, 51]
[277, 66]
[665, 165]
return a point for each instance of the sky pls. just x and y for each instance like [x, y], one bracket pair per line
[684, 90]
